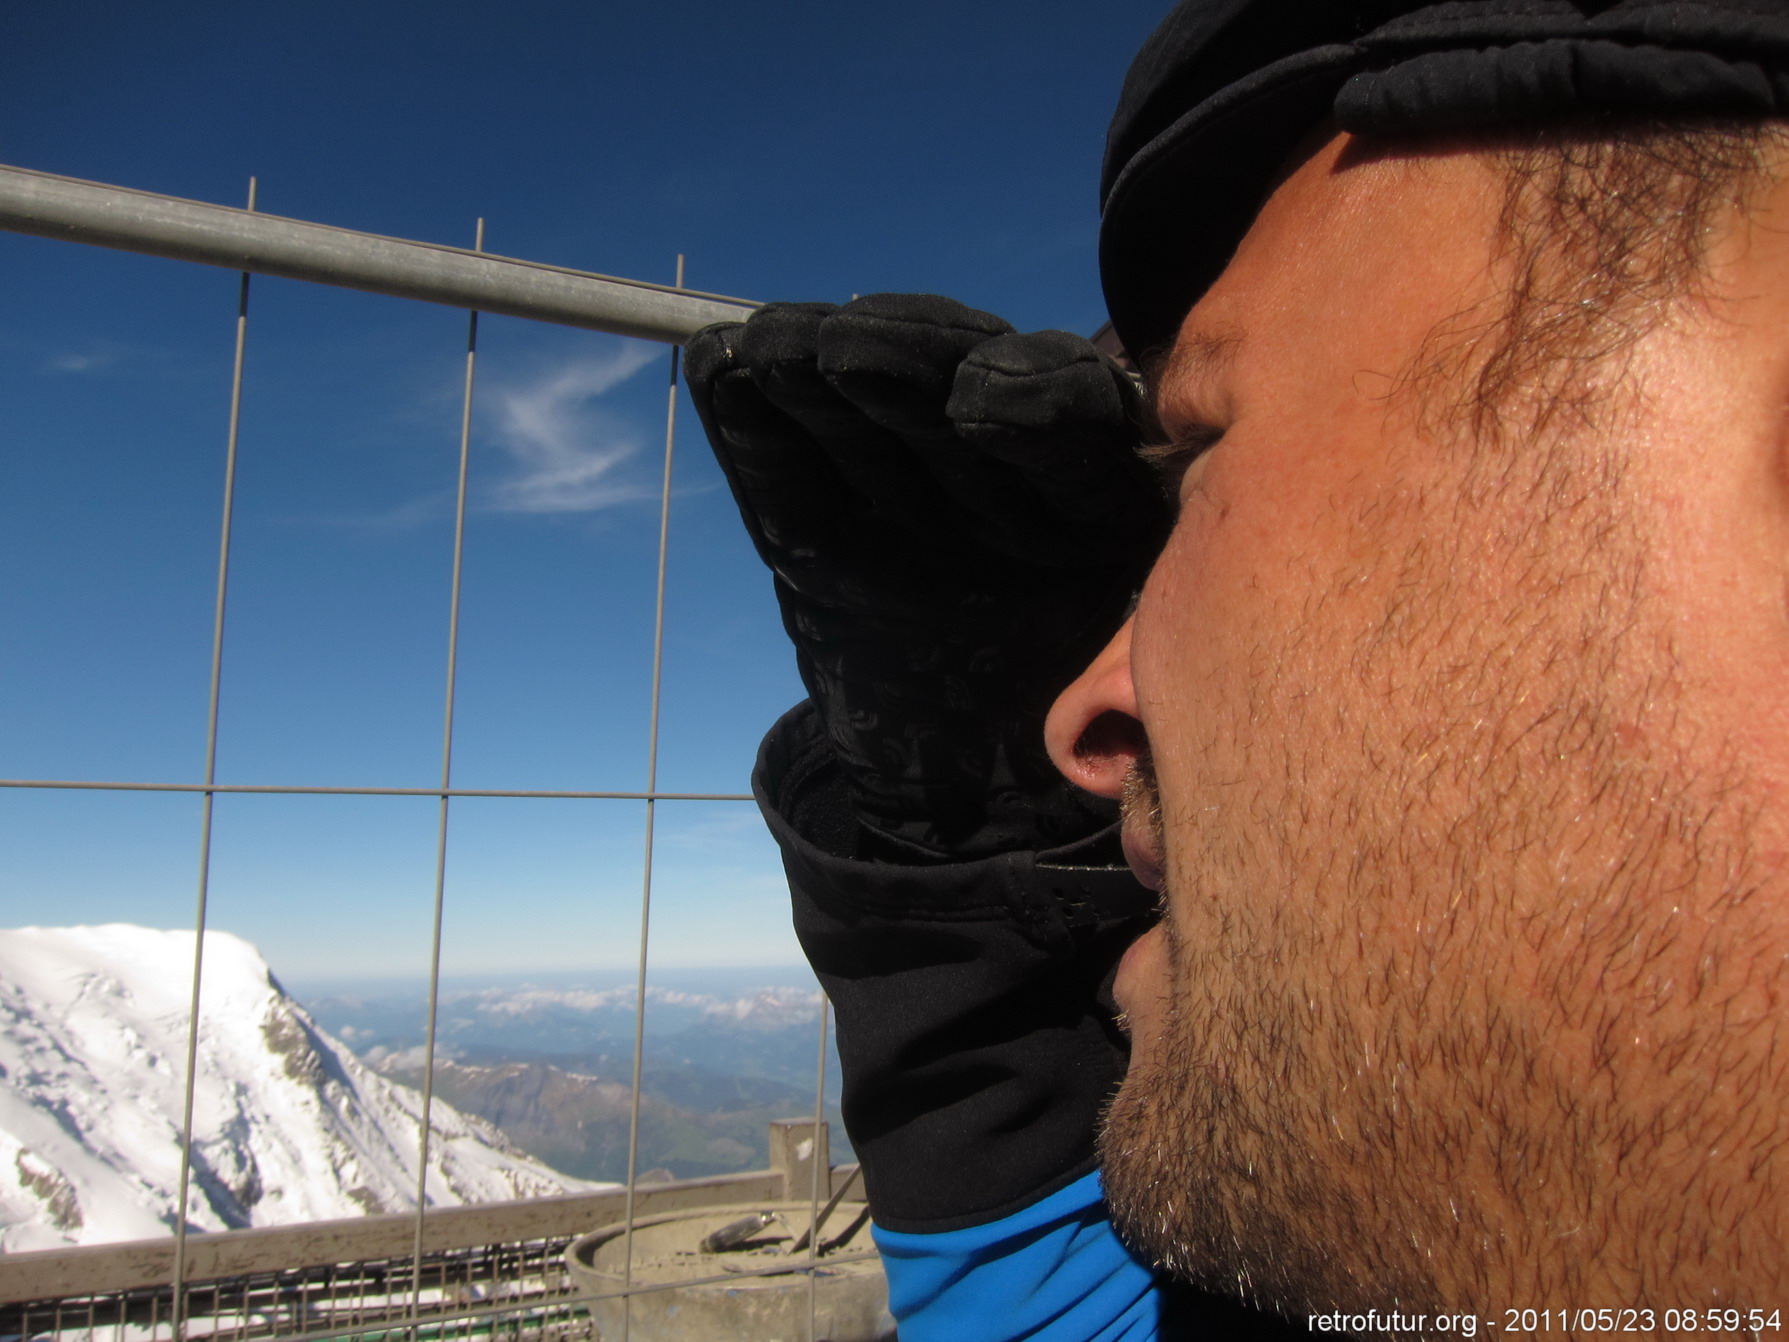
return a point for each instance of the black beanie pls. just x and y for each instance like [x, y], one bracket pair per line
[1224, 90]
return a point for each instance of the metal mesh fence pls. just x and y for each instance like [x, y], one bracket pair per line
[514, 1288]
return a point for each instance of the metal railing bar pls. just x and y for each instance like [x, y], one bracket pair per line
[301, 789]
[47, 1274]
[51, 206]
[204, 881]
[658, 662]
[453, 651]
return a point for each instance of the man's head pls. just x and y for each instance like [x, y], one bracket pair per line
[1462, 680]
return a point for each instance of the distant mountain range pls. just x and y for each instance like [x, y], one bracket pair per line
[552, 1065]
[289, 1125]
[762, 1031]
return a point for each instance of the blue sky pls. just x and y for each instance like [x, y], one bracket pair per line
[791, 150]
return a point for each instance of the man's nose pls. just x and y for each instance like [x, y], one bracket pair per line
[1093, 731]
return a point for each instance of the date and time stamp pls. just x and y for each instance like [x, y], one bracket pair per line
[1645, 1321]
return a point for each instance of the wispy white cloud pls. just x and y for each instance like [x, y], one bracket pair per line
[545, 445]
[81, 363]
[564, 452]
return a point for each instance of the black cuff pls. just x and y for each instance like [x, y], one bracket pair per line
[974, 1019]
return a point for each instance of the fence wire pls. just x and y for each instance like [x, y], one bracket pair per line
[199, 914]
[453, 663]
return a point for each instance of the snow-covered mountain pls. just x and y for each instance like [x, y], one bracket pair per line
[288, 1124]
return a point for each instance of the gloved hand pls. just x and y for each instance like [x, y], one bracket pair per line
[957, 521]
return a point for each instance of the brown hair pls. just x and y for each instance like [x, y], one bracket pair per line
[1603, 228]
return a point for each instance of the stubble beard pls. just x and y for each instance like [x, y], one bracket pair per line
[1165, 1139]
[1383, 1073]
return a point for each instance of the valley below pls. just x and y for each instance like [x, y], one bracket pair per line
[552, 1069]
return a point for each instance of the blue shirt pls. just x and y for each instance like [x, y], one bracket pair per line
[1055, 1272]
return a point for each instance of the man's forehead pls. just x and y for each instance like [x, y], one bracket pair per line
[1359, 247]
[1212, 334]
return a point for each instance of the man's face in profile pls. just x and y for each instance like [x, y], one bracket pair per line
[1471, 979]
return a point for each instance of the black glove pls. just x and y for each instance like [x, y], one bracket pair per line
[956, 519]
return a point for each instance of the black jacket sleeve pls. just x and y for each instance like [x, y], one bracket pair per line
[973, 998]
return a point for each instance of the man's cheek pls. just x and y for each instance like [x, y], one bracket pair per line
[1205, 579]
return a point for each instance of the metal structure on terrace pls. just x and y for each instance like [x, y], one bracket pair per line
[481, 1269]
[496, 1269]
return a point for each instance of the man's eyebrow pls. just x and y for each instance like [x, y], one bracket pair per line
[1190, 366]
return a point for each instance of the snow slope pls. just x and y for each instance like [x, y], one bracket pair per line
[288, 1124]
